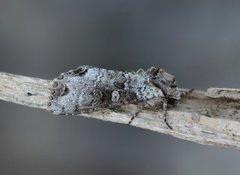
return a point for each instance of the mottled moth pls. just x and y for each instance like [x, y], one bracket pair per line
[87, 89]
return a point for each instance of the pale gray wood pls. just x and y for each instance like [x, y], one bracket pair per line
[210, 118]
[28, 91]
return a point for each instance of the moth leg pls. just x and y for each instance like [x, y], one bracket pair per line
[187, 92]
[164, 106]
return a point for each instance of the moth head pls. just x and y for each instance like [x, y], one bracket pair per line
[165, 81]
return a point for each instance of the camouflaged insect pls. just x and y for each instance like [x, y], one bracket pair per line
[87, 89]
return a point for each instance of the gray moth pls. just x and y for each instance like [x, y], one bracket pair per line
[87, 89]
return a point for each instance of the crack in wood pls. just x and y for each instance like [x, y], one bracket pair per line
[134, 116]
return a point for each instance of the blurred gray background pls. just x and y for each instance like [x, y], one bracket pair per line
[197, 41]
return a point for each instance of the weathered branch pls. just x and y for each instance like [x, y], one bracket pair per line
[28, 91]
[210, 118]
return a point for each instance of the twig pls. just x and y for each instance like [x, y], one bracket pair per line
[210, 118]
[28, 91]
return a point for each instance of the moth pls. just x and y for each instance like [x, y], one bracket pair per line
[87, 89]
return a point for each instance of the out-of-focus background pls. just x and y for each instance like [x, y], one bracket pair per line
[197, 41]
